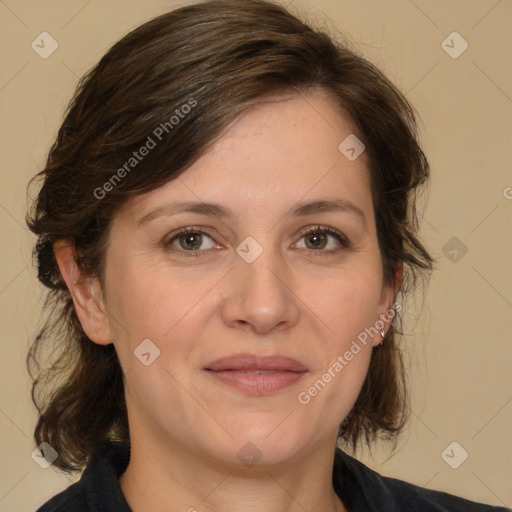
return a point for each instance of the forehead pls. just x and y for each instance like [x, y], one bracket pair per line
[278, 152]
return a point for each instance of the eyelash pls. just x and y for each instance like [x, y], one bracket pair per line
[345, 243]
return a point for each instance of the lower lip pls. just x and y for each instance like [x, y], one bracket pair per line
[257, 384]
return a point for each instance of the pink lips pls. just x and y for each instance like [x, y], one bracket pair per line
[256, 375]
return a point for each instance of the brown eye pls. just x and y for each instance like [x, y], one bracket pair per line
[189, 241]
[317, 239]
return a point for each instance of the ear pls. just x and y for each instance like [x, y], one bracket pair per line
[86, 293]
[386, 302]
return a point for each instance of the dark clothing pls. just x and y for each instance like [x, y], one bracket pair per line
[360, 488]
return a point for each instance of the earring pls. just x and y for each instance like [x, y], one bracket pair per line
[383, 334]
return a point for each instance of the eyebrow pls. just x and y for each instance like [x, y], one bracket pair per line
[300, 209]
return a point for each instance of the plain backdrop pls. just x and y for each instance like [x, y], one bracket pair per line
[458, 346]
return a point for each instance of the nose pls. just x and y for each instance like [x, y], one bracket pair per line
[260, 295]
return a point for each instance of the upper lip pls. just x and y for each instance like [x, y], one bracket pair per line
[256, 362]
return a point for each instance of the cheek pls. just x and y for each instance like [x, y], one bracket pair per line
[148, 300]
[348, 309]
[346, 302]
[155, 302]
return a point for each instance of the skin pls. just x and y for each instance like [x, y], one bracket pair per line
[295, 300]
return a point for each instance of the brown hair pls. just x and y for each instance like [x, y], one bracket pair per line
[218, 57]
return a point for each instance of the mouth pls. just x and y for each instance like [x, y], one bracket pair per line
[256, 375]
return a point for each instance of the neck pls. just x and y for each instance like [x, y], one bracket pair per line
[176, 479]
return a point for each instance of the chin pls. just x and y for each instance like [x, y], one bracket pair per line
[268, 443]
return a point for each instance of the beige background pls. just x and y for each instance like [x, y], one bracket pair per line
[458, 352]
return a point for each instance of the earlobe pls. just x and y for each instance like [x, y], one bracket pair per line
[86, 293]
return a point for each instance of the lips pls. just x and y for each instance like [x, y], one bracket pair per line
[253, 363]
[256, 375]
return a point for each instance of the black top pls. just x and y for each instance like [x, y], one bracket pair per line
[360, 488]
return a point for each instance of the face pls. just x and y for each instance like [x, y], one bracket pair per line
[264, 281]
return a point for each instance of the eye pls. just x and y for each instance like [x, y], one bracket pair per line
[317, 238]
[188, 241]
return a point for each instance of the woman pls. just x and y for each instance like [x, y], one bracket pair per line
[226, 220]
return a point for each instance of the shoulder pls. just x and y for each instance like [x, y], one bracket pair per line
[414, 498]
[71, 499]
[98, 489]
[368, 491]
